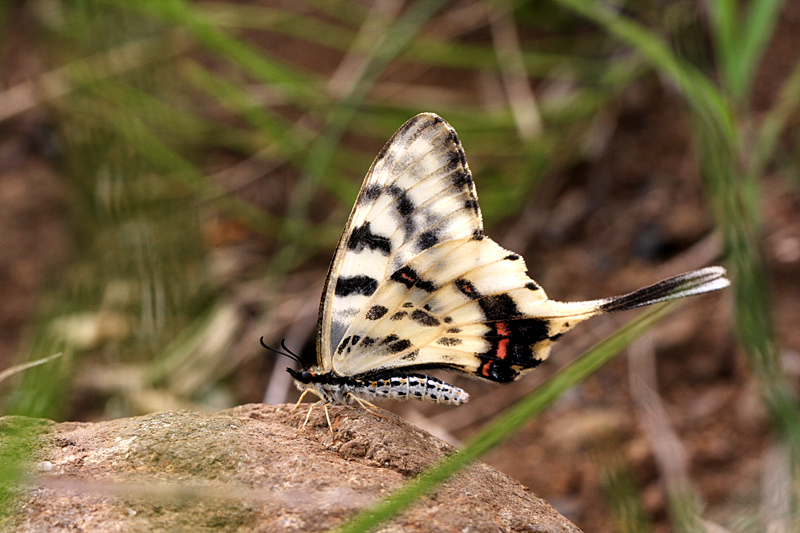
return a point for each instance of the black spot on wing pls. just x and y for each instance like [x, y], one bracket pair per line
[515, 341]
[400, 346]
[371, 193]
[457, 153]
[364, 285]
[498, 307]
[388, 339]
[448, 341]
[395, 344]
[467, 288]
[403, 203]
[343, 345]
[427, 239]
[462, 179]
[425, 285]
[472, 205]
[408, 304]
[530, 330]
[376, 312]
[362, 237]
[498, 371]
[532, 286]
[398, 315]
[424, 318]
[453, 136]
[410, 356]
[512, 257]
[408, 277]
[421, 123]
[367, 342]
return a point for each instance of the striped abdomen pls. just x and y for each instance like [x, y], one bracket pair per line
[415, 386]
[341, 389]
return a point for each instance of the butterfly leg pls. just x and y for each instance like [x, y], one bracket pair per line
[308, 415]
[303, 395]
[364, 403]
[328, 418]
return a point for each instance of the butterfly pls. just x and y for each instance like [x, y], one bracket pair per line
[416, 285]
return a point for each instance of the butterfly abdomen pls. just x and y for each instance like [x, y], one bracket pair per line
[411, 386]
[342, 389]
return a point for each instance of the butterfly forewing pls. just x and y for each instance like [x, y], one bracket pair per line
[417, 194]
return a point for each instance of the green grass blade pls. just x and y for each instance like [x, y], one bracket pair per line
[280, 21]
[622, 493]
[296, 85]
[736, 200]
[762, 17]
[509, 422]
[115, 61]
[775, 121]
[724, 18]
[424, 49]
[282, 139]
[167, 161]
[698, 90]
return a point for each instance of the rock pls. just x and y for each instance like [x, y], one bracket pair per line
[245, 469]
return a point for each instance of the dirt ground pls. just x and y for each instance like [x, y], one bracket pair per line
[629, 218]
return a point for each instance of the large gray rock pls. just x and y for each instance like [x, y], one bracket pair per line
[245, 469]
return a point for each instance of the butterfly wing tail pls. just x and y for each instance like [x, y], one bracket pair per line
[563, 316]
[687, 284]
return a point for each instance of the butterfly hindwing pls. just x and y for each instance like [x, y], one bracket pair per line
[466, 304]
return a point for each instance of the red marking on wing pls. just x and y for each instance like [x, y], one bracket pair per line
[485, 368]
[502, 348]
[502, 329]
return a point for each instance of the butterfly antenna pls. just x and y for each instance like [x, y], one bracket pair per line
[283, 345]
[288, 353]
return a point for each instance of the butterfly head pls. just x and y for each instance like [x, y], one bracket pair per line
[304, 376]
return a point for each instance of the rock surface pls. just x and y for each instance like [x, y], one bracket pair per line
[244, 469]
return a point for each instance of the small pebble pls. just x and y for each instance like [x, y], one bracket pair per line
[44, 466]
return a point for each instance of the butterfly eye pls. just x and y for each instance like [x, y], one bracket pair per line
[305, 376]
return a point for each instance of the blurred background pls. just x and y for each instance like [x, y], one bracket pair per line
[174, 177]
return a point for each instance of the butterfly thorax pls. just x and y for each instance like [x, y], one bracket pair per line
[333, 388]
